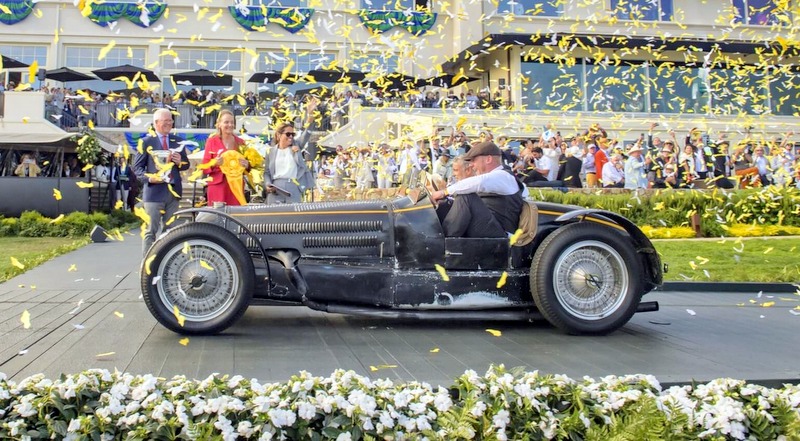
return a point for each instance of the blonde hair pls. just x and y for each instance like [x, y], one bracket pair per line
[222, 113]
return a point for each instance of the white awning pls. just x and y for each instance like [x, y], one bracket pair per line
[31, 133]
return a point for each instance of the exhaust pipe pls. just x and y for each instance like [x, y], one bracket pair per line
[647, 307]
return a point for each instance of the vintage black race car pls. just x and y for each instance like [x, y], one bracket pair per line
[585, 270]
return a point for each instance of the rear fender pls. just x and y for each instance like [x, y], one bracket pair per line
[641, 243]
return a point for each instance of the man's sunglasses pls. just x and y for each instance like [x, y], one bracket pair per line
[290, 134]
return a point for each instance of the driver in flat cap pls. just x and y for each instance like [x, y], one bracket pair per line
[485, 205]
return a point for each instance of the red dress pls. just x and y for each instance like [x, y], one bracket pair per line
[218, 189]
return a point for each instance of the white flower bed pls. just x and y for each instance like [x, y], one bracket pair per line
[502, 404]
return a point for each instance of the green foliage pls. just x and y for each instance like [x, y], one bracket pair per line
[718, 209]
[75, 224]
[89, 150]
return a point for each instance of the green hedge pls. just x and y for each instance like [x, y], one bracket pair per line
[76, 224]
[674, 208]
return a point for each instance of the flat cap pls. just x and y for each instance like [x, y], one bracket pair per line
[486, 148]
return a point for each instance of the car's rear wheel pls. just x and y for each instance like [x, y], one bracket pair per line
[586, 279]
[198, 279]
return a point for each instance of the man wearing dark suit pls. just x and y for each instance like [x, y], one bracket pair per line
[162, 192]
[286, 168]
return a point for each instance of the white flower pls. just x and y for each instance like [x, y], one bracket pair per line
[478, 409]
[344, 436]
[281, 417]
[74, 425]
[306, 411]
[442, 402]
[245, 429]
[501, 419]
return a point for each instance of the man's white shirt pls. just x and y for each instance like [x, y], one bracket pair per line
[497, 181]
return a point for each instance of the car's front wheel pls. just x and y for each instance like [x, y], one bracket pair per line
[586, 279]
[198, 279]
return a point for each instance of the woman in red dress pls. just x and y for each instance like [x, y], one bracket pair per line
[217, 144]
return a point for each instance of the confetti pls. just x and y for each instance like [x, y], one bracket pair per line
[494, 332]
[767, 304]
[184, 341]
[17, 263]
[105, 354]
[205, 265]
[119, 314]
[691, 312]
[78, 327]
[72, 268]
[382, 366]
[25, 319]
[56, 194]
[502, 281]
[434, 351]
[181, 319]
[442, 272]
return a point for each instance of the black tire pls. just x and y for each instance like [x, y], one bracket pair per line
[202, 269]
[586, 279]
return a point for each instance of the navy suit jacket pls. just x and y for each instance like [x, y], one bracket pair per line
[144, 163]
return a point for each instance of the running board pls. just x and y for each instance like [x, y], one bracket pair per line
[426, 314]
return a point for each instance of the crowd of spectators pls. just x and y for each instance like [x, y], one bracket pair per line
[589, 159]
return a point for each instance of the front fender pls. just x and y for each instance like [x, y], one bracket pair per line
[239, 223]
[641, 242]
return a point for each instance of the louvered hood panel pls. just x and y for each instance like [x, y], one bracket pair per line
[321, 229]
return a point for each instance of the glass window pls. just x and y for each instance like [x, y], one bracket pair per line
[276, 60]
[676, 89]
[650, 10]
[760, 12]
[544, 8]
[553, 87]
[396, 5]
[211, 59]
[615, 88]
[739, 90]
[374, 63]
[86, 56]
[784, 85]
[26, 54]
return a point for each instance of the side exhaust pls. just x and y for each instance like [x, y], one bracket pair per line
[647, 307]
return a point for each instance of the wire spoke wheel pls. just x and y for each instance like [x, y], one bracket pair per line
[202, 279]
[590, 280]
[199, 279]
[586, 278]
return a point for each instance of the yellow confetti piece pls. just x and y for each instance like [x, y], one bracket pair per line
[84, 184]
[17, 263]
[105, 50]
[105, 354]
[185, 248]
[184, 341]
[502, 281]
[442, 273]
[767, 304]
[434, 351]
[25, 319]
[702, 260]
[119, 314]
[57, 194]
[58, 219]
[494, 332]
[205, 265]
[768, 250]
[72, 268]
[382, 366]
[147, 263]
[515, 237]
[181, 319]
